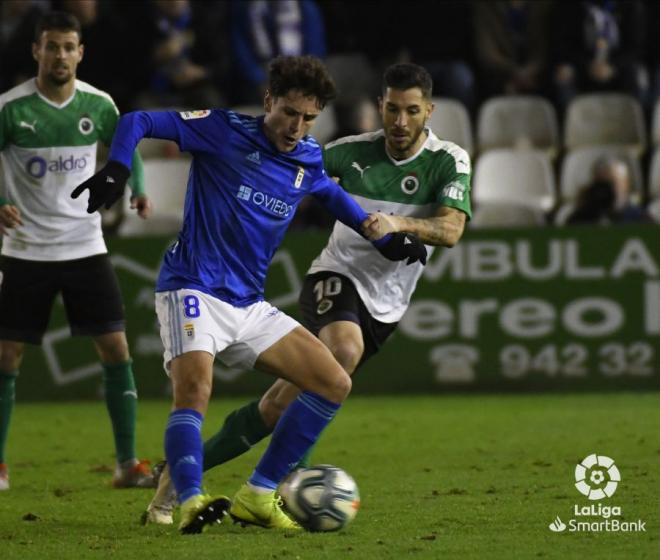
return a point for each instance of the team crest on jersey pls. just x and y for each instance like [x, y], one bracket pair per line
[189, 328]
[189, 115]
[410, 184]
[299, 178]
[85, 125]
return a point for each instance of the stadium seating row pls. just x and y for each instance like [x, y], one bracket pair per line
[511, 186]
[512, 121]
[531, 121]
[517, 143]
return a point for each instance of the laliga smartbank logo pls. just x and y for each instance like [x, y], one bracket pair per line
[597, 478]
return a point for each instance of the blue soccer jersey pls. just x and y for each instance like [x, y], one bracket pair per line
[242, 194]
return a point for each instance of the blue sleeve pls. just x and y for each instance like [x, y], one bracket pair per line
[195, 134]
[342, 206]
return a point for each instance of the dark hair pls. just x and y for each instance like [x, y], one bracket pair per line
[60, 21]
[304, 73]
[406, 76]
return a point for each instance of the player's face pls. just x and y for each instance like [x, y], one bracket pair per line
[58, 54]
[404, 114]
[288, 118]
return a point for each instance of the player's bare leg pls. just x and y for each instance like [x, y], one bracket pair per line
[192, 379]
[344, 337]
[304, 361]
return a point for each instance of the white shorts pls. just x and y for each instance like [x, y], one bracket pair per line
[192, 320]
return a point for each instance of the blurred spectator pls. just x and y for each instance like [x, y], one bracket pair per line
[441, 41]
[107, 68]
[18, 19]
[511, 45]
[608, 198]
[262, 30]
[188, 55]
[599, 46]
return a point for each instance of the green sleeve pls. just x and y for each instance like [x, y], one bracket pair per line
[455, 191]
[3, 128]
[136, 181]
[332, 161]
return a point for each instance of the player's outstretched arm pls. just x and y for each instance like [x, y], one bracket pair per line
[107, 186]
[393, 246]
[445, 228]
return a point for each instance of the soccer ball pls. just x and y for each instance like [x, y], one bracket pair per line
[321, 498]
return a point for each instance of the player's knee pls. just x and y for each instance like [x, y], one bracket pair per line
[112, 348]
[340, 387]
[192, 394]
[348, 353]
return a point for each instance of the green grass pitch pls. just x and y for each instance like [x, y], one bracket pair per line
[478, 476]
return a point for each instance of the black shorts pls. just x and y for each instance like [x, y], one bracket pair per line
[89, 288]
[327, 297]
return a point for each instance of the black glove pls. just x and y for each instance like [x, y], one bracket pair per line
[404, 246]
[105, 187]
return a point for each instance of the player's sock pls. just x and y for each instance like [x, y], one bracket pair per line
[7, 396]
[295, 432]
[184, 452]
[242, 429]
[306, 459]
[121, 400]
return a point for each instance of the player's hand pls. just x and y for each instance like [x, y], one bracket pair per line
[105, 187]
[404, 246]
[143, 206]
[379, 225]
[10, 217]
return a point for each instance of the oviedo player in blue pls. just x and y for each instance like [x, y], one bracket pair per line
[246, 179]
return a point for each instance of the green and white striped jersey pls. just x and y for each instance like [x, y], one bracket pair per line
[437, 175]
[47, 150]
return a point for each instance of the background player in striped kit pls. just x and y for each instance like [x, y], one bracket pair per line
[49, 129]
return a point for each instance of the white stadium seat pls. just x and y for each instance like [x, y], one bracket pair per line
[654, 209]
[166, 181]
[654, 175]
[325, 125]
[655, 124]
[605, 118]
[523, 177]
[518, 121]
[450, 121]
[576, 169]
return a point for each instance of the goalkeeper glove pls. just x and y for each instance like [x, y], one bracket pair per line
[403, 246]
[105, 187]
